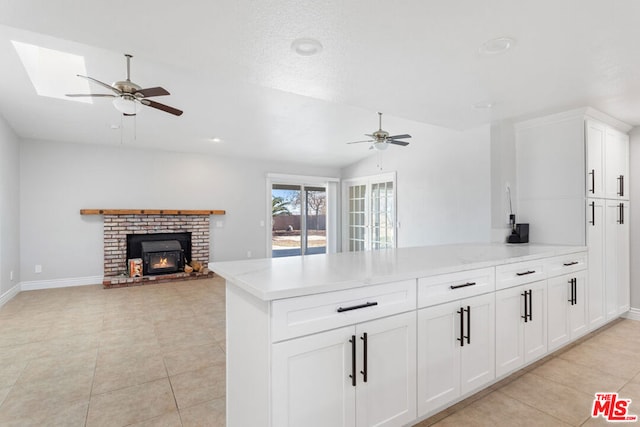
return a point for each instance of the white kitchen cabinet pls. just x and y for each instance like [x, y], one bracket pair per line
[595, 134]
[363, 375]
[616, 172]
[521, 325]
[567, 308]
[616, 258]
[596, 248]
[456, 350]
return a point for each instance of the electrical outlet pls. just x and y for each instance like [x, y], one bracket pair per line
[38, 268]
[11, 275]
[248, 254]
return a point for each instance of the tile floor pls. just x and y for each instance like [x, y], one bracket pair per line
[154, 356]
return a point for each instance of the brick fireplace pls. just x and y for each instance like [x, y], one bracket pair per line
[118, 224]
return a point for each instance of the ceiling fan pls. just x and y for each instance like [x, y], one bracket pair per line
[381, 138]
[128, 96]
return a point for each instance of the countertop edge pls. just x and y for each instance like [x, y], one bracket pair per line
[322, 287]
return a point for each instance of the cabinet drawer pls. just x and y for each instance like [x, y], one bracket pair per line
[509, 275]
[450, 287]
[557, 266]
[293, 317]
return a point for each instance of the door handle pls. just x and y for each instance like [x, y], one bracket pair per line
[593, 214]
[526, 307]
[464, 285]
[461, 339]
[592, 190]
[353, 360]
[364, 357]
[468, 336]
[621, 184]
[356, 307]
[572, 283]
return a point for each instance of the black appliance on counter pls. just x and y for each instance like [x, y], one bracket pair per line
[519, 234]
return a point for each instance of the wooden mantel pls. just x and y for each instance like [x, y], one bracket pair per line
[150, 212]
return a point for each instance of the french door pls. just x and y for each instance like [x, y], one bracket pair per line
[370, 214]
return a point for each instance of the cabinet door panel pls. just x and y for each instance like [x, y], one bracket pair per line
[578, 313]
[612, 219]
[477, 364]
[388, 397]
[595, 137]
[535, 330]
[596, 246]
[623, 269]
[509, 332]
[616, 165]
[438, 356]
[310, 382]
[559, 290]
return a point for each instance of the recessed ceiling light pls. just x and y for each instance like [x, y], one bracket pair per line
[496, 46]
[216, 139]
[306, 46]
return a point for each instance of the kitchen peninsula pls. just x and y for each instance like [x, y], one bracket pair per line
[390, 337]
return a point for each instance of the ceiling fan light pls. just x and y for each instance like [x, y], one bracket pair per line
[126, 105]
[380, 145]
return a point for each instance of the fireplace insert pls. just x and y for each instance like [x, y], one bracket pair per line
[162, 257]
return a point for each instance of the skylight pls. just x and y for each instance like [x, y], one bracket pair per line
[52, 72]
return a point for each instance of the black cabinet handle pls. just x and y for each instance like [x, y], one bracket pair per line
[575, 291]
[526, 307]
[461, 339]
[530, 306]
[364, 357]
[356, 307]
[621, 209]
[567, 264]
[464, 285]
[468, 336]
[593, 213]
[353, 360]
[525, 273]
[593, 181]
[621, 184]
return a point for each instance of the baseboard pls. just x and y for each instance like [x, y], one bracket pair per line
[61, 283]
[633, 314]
[6, 297]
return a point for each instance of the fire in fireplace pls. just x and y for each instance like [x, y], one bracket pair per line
[158, 256]
[161, 257]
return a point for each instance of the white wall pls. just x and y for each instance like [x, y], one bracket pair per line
[443, 185]
[9, 208]
[503, 173]
[59, 179]
[634, 225]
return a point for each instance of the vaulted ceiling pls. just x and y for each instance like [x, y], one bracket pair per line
[230, 66]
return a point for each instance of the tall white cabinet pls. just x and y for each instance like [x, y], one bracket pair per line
[573, 188]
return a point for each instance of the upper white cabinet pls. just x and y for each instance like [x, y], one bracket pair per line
[560, 160]
[607, 161]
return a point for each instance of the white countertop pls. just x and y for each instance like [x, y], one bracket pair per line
[277, 278]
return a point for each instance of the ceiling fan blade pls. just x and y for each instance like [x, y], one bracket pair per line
[94, 95]
[101, 84]
[399, 136]
[358, 142]
[152, 91]
[391, 141]
[162, 107]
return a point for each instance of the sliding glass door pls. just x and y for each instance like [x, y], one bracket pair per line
[299, 219]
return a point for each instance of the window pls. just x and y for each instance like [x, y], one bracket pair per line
[369, 219]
